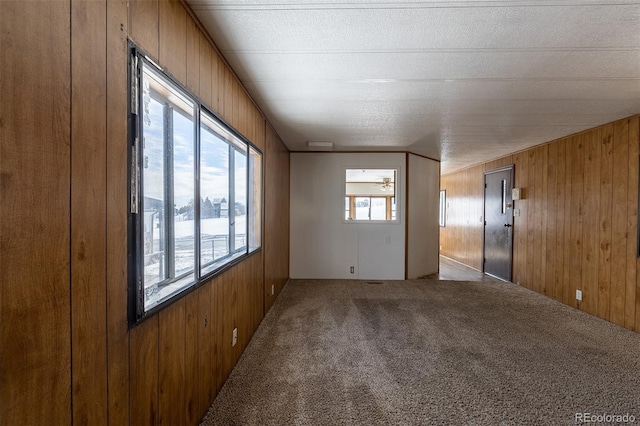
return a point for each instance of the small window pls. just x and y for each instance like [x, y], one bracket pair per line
[370, 195]
[195, 190]
[443, 207]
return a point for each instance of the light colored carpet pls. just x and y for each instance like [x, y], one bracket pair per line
[334, 352]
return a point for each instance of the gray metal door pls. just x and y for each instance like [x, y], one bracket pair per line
[498, 225]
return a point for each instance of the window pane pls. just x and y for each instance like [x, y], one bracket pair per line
[174, 226]
[168, 173]
[183, 193]
[393, 208]
[255, 199]
[362, 208]
[154, 206]
[373, 191]
[214, 195]
[346, 208]
[240, 211]
[378, 208]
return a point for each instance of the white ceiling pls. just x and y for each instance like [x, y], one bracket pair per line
[461, 81]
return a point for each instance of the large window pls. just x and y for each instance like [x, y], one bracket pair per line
[196, 191]
[370, 195]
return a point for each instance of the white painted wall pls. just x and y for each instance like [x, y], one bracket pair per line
[323, 244]
[424, 231]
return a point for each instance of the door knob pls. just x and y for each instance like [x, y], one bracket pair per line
[507, 225]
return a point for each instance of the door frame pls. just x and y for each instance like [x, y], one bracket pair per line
[510, 168]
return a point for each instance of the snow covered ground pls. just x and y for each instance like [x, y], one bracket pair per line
[214, 235]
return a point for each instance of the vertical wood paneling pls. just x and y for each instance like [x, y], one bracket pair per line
[169, 368]
[521, 223]
[243, 112]
[243, 300]
[171, 364]
[235, 118]
[216, 88]
[634, 140]
[228, 95]
[258, 292]
[542, 287]
[499, 163]
[88, 212]
[619, 221]
[552, 222]
[192, 348]
[577, 228]
[539, 232]
[562, 182]
[143, 365]
[222, 87]
[193, 57]
[590, 226]
[206, 73]
[117, 100]
[143, 25]
[276, 216]
[465, 217]
[206, 338]
[632, 225]
[251, 120]
[533, 224]
[35, 382]
[606, 191]
[173, 38]
[216, 338]
[567, 246]
[227, 321]
[577, 212]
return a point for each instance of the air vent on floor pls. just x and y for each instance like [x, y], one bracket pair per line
[374, 282]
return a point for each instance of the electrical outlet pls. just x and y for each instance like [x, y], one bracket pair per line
[387, 239]
[352, 269]
[578, 295]
[273, 290]
[234, 339]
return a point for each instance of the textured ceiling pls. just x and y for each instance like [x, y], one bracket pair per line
[460, 81]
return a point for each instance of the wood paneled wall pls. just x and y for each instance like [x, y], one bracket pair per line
[35, 207]
[276, 250]
[577, 228]
[67, 355]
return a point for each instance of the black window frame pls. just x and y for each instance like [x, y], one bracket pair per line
[137, 313]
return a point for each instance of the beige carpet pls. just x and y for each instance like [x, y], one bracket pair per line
[428, 352]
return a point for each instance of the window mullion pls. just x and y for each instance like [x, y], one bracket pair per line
[232, 199]
[196, 202]
[170, 212]
[247, 199]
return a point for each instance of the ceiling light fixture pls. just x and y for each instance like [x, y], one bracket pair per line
[386, 184]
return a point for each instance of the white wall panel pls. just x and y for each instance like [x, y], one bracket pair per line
[423, 238]
[323, 244]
